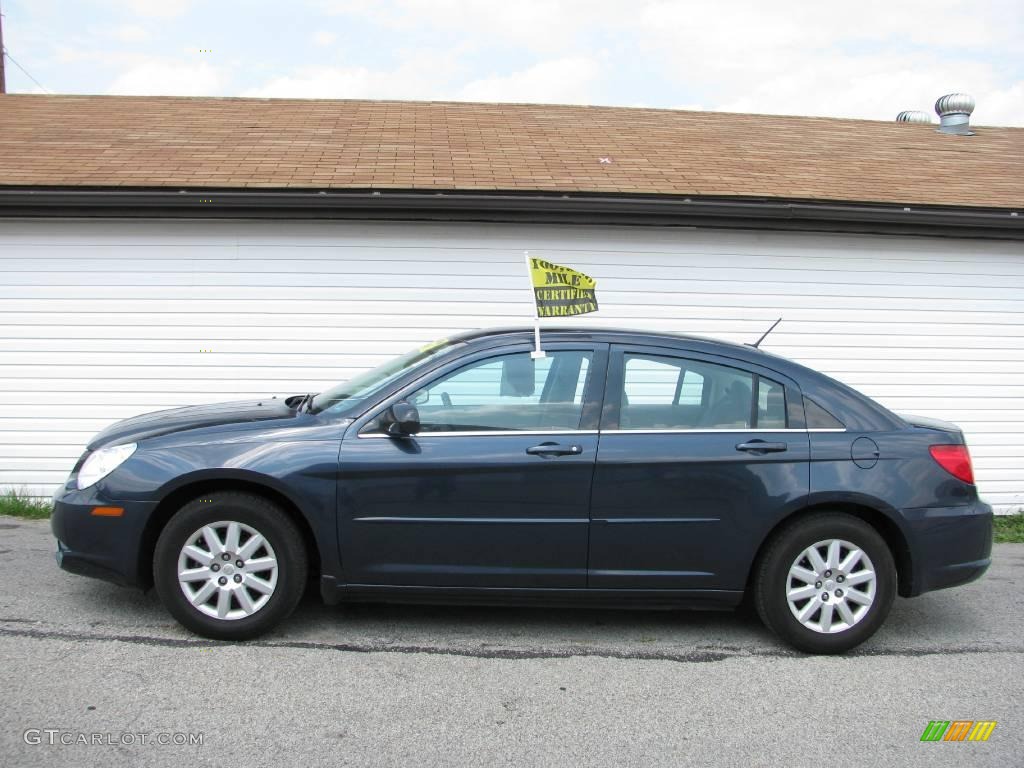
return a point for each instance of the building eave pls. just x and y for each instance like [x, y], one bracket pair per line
[513, 207]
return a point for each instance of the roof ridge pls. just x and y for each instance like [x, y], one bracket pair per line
[479, 104]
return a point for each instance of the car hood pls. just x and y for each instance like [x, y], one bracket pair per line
[191, 417]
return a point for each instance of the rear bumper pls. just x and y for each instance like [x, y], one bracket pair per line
[950, 545]
[101, 547]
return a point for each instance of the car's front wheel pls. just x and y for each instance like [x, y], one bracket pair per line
[230, 565]
[825, 583]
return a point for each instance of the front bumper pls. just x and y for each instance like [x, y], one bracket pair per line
[950, 546]
[105, 548]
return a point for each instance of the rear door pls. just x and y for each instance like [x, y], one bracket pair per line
[698, 456]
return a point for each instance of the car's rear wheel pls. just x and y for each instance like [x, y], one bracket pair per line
[230, 565]
[825, 583]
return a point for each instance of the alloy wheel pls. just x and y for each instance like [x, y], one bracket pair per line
[831, 586]
[227, 570]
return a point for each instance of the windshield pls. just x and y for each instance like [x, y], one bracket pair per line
[350, 395]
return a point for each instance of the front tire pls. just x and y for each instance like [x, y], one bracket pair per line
[230, 565]
[825, 583]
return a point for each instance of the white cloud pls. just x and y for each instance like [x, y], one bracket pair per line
[1000, 106]
[868, 60]
[739, 28]
[349, 83]
[568, 80]
[421, 75]
[169, 78]
[536, 25]
[157, 8]
[877, 86]
[129, 33]
[562, 81]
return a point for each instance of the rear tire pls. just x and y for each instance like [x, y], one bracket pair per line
[826, 583]
[230, 565]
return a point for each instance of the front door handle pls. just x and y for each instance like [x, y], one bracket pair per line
[760, 446]
[555, 449]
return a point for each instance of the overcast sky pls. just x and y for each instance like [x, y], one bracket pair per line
[860, 58]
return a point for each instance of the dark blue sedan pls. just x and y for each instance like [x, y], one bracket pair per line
[624, 468]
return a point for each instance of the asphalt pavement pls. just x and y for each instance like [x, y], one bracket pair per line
[96, 675]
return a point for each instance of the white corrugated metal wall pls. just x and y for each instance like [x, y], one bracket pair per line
[100, 320]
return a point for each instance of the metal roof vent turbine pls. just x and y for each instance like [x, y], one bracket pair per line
[913, 116]
[954, 110]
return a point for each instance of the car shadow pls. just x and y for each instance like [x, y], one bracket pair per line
[108, 600]
[444, 626]
[927, 624]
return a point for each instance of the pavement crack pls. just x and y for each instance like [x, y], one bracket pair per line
[701, 656]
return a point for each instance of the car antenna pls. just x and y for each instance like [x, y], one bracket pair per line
[757, 343]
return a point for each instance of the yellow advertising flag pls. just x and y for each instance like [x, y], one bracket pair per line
[561, 291]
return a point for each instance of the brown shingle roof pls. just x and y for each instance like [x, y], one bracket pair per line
[290, 143]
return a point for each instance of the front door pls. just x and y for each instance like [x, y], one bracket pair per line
[493, 491]
[698, 458]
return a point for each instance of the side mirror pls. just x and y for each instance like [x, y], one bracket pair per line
[404, 421]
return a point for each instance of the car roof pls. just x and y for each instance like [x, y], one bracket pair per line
[623, 335]
[855, 409]
[706, 344]
[588, 330]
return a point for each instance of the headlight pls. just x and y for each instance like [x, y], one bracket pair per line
[103, 462]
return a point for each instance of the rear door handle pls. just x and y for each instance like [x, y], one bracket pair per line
[760, 446]
[555, 449]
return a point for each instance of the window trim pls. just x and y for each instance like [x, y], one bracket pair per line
[755, 399]
[487, 433]
[541, 433]
[734, 430]
[593, 396]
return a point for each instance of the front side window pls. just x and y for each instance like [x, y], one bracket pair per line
[511, 392]
[661, 392]
[691, 389]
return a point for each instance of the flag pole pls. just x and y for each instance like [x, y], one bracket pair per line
[537, 352]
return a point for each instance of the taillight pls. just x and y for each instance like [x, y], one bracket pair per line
[955, 459]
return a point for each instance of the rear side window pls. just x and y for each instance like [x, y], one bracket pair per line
[652, 381]
[674, 393]
[771, 404]
[819, 418]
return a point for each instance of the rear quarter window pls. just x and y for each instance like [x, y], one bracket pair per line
[818, 418]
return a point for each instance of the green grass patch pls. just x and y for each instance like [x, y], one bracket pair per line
[1009, 529]
[19, 505]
